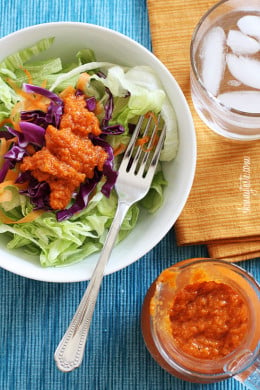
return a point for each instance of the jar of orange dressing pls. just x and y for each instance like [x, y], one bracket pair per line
[201, 322]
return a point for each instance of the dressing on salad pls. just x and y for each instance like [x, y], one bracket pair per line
[69, 156]
[63, 129]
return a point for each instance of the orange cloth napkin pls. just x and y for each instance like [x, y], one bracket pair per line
[223, 209]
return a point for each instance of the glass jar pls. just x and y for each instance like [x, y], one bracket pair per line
[242, 360]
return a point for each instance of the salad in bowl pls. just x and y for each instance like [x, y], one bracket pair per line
[64, 126]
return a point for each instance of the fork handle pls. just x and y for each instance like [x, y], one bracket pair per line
[70, 351]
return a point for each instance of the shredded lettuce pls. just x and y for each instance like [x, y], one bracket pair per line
[154, 199]
[146, 94]
[41, 72]
[139, 82]
[135, 91]
[8, 98]
[61, 243]
[17, 60]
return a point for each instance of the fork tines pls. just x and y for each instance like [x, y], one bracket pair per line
[142, 156]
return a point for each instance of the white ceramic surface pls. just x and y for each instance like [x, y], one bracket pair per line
[113, 47]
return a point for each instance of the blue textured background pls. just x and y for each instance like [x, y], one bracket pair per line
[34, 315]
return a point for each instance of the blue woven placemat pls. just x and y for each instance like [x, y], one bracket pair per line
[34, 315]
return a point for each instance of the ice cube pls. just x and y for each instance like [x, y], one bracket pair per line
[213, 59]
[250, 25]
[234, 83]
[247, 101]
[241, 43]
[244, 69]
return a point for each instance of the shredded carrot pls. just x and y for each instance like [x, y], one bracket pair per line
[28, 74]
[44, 83]
[67, 91]
[3, 147]
[99, 108]
[5, 121]
[12, 183]
[6, 196]
[142, 141]
[10, 141]
[11, 175]
[5, 193]
[120, 149]
[19, 91]
[154, 143]
[15, 115]
[6, 183]
[146, 139]
[28, 218]
[82, 81]
[31, 101]
[152, 114]
[81, 84]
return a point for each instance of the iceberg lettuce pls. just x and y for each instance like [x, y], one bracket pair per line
[60, 243]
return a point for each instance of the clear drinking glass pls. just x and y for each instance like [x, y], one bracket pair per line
[225, 69]
[241, 362]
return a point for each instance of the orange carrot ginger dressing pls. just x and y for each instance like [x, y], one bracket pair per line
[209, 320]
[69, 156]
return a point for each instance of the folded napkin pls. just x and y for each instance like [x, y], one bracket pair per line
[223, 208]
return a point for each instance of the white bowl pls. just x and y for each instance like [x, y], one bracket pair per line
[113, 47]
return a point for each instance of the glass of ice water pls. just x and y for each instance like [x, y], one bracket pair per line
[225, 69]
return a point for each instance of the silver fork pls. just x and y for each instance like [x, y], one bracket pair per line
[135, 175]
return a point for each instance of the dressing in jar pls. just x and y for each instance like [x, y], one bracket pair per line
[201, 322]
